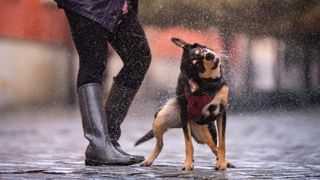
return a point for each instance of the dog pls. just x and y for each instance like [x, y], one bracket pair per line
[199, 107]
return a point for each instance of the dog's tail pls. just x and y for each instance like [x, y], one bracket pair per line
[145, 138]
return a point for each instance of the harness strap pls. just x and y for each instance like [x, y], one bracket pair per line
[197, 100]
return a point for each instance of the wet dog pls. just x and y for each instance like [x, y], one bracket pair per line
[199, 107]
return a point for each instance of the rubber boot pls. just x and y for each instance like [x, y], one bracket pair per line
[100, 150]
[116, 107]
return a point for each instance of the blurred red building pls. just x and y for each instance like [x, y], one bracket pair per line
[38, 63]
[35, 20]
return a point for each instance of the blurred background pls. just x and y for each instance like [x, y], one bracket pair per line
[271, 60]
[270, 50]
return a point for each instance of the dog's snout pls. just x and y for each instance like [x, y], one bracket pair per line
[209, 56]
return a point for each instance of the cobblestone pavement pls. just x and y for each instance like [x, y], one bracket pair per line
[270, 145]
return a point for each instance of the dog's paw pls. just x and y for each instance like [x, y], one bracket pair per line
[187, 167]
[223, 165]
[146, 163]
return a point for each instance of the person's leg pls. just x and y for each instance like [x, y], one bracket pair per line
[130, 43]
[91, 44]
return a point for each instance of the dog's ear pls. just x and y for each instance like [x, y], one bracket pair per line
[178, 42]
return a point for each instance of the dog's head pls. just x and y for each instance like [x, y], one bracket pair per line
[199, 64]
[198, 61]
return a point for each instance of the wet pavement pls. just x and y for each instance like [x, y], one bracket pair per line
[49, 143]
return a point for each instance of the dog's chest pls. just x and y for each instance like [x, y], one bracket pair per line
[196, 104]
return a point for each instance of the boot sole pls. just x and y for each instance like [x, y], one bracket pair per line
[89, 162]
[136, 158]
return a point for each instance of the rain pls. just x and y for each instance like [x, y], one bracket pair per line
[270, 55]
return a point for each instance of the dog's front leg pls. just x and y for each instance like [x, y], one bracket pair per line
[221, 125]
[188, 163]
[186, 127]
[222, 162]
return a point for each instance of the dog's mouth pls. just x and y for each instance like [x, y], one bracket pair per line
[216, 63]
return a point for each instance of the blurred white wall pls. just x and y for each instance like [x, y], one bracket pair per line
[31, 73]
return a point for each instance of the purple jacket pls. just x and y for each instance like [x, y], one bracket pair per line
[105, 12]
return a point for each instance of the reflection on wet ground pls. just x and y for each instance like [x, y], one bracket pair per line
[50, 144]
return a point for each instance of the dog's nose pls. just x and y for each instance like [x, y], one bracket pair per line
[209, 56]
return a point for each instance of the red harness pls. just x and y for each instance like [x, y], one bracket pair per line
[196, 104]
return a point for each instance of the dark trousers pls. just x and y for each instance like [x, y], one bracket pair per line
[128, 40]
